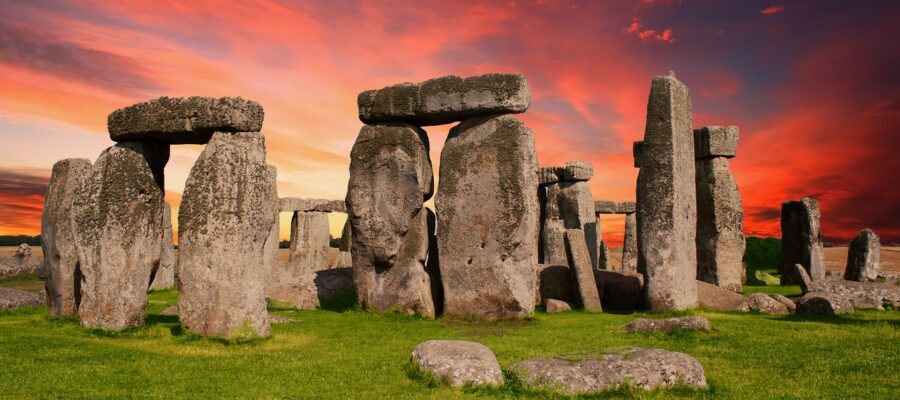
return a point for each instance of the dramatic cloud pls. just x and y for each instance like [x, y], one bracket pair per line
[772, 10]
[21, 200]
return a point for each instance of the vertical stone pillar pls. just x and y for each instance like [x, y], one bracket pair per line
[165, 274]
[629, 245]
[666, 198]
[228, 209]
[720, 211]
[864, 257]
[801, 241]
[293, 284]
[119, 224]
[569, 204]
[487, 208]
[58, 236]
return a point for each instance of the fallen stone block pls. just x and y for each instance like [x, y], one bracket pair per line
[459, 362]
[821, 303]
[762, 303]
[668, 324]
[11, 299]
[556, 306]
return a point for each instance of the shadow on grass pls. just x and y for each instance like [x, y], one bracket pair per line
[343, 302]
[156, 319]
[857, 319]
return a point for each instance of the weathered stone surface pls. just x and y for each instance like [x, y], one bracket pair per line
[579, 262]
[821, 303]
[619, 290]
[555, 282]
[229, 206]
[346, 237]
[668, 324]
[459, 362]
[606, 207]
[556, 306]
[627, 207]
[446, 99]
[184, 120]
[58, 236]
[548, 175]
[11, 299]
[577, 171]
[118, 233]
[860, 294]
[390, 177]
[720, 225]
[864, 257]
[293, 283]
[665, 191]
[801, 240]
[290, 286]
[489, 162]
[295, 204]
[762, 303]
[637, 152]
[645, 368]
[603, 257]
[715, 141]
[629, 245]
[802, 278]
[571, 203]
[788, 303]
[715, 298]
[553, 241]
[165, 274]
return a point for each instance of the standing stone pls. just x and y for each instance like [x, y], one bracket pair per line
[165, 274]
[603, 255]
[667, 209]
[487, 207]
[294, 283]
[390, 178]
[118, 232]
[629, 245]
[720, 211]
[864, 257]
[58, 236]
[801, 240]
[584, 275]
[229, 206]
[569, 206]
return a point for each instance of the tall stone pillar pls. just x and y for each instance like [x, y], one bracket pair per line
[568, 204]
[666, 198]
[864, 257]
[293, 284]
[165, 274]
[629, 245]
[801, 241]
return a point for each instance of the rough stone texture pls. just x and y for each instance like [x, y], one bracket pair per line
[715, 298]
[629, 245]
[165, 274]
[184, 120]
[788, 303]
[668, 324]
[762, 303]
[446, 99]
[556, 306]
[58, 236]
[568, 205]
[11, 299]
[801, 240]
[637, 151]
[579, 262]
[606, 207]
[715, 141]
[553, 234]
[292, 204]
[603, 256]
[547, 175]
[619, 290]
[589, 373]
[802, 278]
[821, 303]
[577, 171]
[310, 241]
[118, 233]
[290, 286]
[229, 206]
[720, 225]
[555, 282]
[665, 191]
[459, 362]
[390, 177]
[860, 294]
[864, 257]
[627, 207]
[489, 162]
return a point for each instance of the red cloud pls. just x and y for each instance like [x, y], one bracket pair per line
[772, 10]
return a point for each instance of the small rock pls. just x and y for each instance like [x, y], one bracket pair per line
[791, 306]
[821, 303]
[459, 362]
[557, 306]
[668, 324]
[11, 299]
[719, 299]
[761, 302]
[24, 250]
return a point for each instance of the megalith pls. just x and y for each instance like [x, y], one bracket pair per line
[228, 209]
[864, 257]
[294, 282]
[579, 263]
[720, 211]
[487, 208]
[569, 204]
[118, 233]
[58, 236]
[629, 244]
[801, 240]
[165, 274]
[666, 198]
[390, 178]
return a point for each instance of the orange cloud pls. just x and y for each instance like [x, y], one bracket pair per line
[772, 10]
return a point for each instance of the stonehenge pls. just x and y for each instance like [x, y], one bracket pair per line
[801, 241]
[567, 203]
[629, 245]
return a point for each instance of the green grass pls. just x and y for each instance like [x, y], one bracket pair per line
[29, 282]
[341, 352]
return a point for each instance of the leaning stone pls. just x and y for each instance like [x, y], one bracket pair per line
[229, 206]
[720, 225]
[605, 207]
[579, 262]
[864, 257]
[11, 299]
[577, 171]
[489, 162]
[619, 290]
[762, 303]
[390, 178]
[715, 298]
[629, 245]
[715, 141]
[802, 278]
[458, 362]
[58, 236]
[668, 324]
[555, 282]
[165, 274]
[801, 240]
[294, 204]
[444, 100]
[118, 232]
[184, 120]
[665, 190]
[820, 303]
[594, 373]
[556, 306]
[788, 303]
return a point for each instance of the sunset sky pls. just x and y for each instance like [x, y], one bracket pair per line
[813, 85]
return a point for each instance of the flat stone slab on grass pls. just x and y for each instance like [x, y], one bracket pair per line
[184, 120]
[645, 368]
[11, 299]
[668, 324]
[860, 294]
[459, 362]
